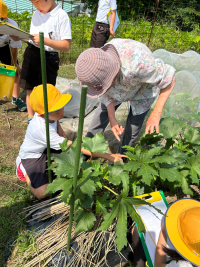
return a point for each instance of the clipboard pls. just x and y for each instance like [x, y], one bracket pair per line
[117, 21]
[152, 221]
[9, 29]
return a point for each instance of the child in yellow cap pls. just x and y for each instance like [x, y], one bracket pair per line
[179, 239]
[6, 58]
[33, 151]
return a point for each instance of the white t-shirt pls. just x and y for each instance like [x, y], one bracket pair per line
[179, 264]
[103, 8]
[56, 25]
[35, 139]
[5, 38]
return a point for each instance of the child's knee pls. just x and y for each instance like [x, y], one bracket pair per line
[40, 195]
[40, 192]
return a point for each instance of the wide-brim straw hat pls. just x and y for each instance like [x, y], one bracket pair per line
[56, 100]
[182, 225]
[97, 68]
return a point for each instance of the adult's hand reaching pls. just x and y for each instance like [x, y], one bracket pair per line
[153, 123]
[117, 129]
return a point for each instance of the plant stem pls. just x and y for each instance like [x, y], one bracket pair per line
[77, 159]
[110, 190]
[44, 82]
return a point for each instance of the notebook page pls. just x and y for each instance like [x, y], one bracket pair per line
[152, 220]
[9, 30]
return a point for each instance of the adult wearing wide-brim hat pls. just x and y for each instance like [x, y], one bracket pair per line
[181, 231]
[125, 70]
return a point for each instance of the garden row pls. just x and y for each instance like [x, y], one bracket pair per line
[168, 160]
[164, 35]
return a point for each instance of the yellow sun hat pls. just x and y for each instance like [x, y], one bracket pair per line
[182, 225]
[3, 10]
[56, 100]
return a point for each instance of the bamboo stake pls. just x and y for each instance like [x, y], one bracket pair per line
[77, 158]
[44, 82]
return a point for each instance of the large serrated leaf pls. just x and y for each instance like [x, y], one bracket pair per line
[58, 184]
[96, 165]
[125, 181]
[115, 175]
[132, 156]
[146, 172]
[100, 203]
[131, 211]
[171, 127]
[150, 139]
[129, 148]
[108, 219]
[121, 227]
[185, 185]
[177, 154]
[191, 135]
[163, 159]
[64, 146]
[86, 185]
[170, 174]
[193, 165]
[86, 201]
[66, 163]
[95, 144]
[100, 208]
[132, 166]
[119, 164]
[146, 157]
[85, 221]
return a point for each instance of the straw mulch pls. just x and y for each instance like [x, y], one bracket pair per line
[92, 246]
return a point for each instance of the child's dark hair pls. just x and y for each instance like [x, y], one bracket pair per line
[174, 256]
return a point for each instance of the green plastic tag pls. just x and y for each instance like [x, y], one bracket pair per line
[7, 72]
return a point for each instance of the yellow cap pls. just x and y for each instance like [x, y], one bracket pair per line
[182, 224]
[56, 100]
[3, 10]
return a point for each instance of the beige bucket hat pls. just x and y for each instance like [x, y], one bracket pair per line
[97, 68]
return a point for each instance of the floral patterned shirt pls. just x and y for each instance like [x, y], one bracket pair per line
[141, 76]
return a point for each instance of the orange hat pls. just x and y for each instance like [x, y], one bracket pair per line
[182, 225]
[3, 10]
[56, 100]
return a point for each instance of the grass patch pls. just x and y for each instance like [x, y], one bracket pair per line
[67, 71]
[14, 196]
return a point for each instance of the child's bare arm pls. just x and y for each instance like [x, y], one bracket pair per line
[60, 130]
[112, 22]
[110, 157]
[160, 255]
[63, 45]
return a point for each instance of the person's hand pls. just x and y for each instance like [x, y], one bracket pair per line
[153, 123]
[112, 33]
[15, 38]
[117, 157]
[117, 129]
[36, 39]
[69, 142]
[18, 69]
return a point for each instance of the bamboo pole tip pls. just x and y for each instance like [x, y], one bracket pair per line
[84, 87]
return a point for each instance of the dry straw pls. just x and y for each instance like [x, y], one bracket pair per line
[53, 239]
